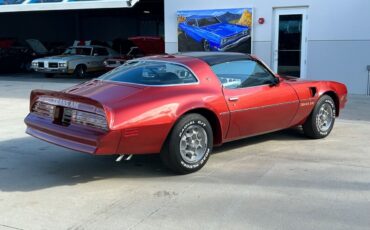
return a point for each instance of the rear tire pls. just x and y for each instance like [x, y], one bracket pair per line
[189, 144]
[321, 121]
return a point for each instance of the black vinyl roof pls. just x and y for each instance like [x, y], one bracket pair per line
[214, 58]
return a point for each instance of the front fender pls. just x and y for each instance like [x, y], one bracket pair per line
[337, 91]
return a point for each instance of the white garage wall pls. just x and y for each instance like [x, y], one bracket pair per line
[338, 34]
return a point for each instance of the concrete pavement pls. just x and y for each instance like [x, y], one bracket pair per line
[275, 181]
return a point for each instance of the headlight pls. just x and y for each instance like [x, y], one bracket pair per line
[62, 65]
[35, 64]
[224, 41]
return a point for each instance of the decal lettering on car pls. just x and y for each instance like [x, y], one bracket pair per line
[310, 103]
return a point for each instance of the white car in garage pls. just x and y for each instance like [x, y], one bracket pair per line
[77, 60]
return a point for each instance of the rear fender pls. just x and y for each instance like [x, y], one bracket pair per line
[219, 117]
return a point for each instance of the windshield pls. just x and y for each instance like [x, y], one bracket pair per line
[150, 73]
[78, 51]
[208, 21]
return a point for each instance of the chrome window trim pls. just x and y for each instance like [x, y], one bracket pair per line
[166, 85]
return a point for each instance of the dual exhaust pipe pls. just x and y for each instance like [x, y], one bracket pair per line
[124, 157]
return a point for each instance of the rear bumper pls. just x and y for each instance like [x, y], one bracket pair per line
[73, 136]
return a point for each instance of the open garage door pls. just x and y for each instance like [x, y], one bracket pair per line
[46, 5]
[23, 31]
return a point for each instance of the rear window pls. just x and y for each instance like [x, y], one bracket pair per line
[150, 73]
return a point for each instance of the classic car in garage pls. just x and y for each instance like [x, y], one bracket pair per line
[142, 46]
[214, 34]
[16, 55]
[77, 60]
[181, 106]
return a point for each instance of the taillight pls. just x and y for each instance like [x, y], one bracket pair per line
[65, 115]
[43, 109]
[89, 119]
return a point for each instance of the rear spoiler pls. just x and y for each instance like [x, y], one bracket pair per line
[67, 100]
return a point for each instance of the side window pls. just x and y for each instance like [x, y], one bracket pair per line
[192, 22]
[101, 52]
[242, 74]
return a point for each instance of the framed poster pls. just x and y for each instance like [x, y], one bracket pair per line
[228, 30]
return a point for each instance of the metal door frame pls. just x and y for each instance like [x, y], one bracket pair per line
[275, 54]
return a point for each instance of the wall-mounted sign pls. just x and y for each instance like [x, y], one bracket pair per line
[215, 30]
[42, 5]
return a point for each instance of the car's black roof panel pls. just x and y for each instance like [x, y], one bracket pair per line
[214, 58]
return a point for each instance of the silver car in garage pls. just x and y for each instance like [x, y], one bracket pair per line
[77, 60]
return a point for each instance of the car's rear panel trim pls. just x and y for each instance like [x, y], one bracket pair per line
[61, 141]
[74, 137]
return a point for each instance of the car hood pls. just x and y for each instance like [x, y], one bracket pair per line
[225, 29]
[293, 79]
[61, 58]
[149, 45]
[106, 93]
[37, 46]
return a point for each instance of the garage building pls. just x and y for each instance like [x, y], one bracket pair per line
[334, 35]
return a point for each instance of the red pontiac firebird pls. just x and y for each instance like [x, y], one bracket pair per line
[181, 106]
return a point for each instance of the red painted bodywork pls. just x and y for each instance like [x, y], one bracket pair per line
[148, 45]
[141, 117]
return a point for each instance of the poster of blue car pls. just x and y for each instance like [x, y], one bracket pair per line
[215, 30]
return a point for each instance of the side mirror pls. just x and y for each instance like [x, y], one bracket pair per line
[275, 82]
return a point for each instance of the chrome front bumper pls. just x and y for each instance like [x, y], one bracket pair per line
[51, 70]
[235, 43]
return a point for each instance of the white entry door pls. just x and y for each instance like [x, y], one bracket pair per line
[290, 41]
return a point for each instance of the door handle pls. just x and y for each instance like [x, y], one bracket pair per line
[233, 98]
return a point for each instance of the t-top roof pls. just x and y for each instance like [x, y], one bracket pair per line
[214, 58]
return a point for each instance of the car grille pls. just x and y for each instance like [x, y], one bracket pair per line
[67, 116]
[53, 65]
[235, 37]
[41, 65]
[58, 114]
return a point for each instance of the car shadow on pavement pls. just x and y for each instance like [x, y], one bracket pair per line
[27, 164]
[292, 134]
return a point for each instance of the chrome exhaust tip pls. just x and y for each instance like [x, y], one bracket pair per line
[124, 157]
